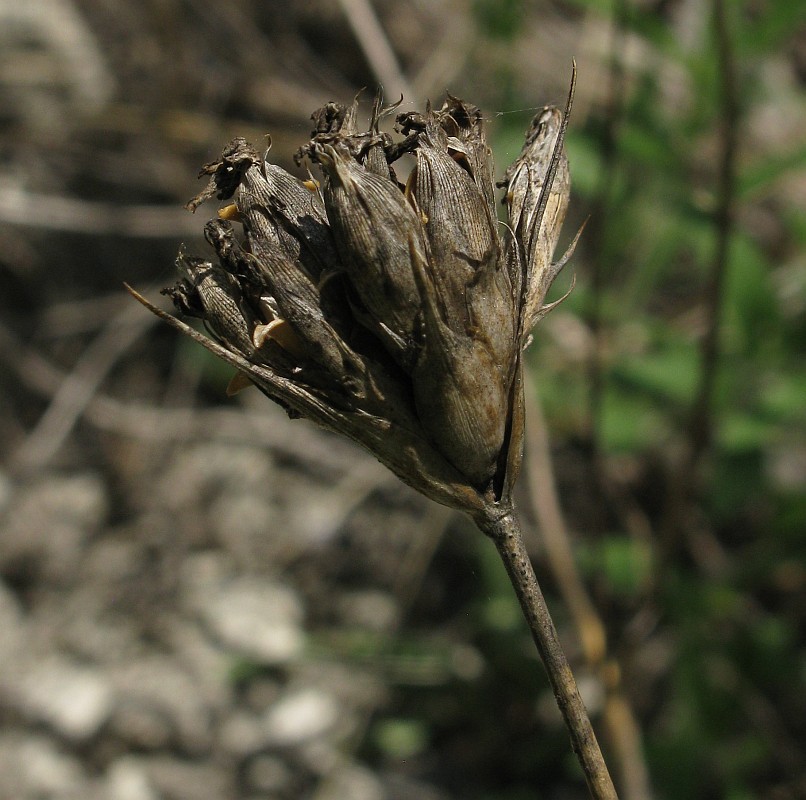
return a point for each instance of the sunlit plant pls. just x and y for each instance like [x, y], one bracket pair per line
[398, 314]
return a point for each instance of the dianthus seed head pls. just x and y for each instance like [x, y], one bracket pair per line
[394, 314]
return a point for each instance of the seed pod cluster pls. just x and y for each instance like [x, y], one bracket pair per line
[394, 313]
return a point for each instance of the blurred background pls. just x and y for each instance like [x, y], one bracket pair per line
[200, 598]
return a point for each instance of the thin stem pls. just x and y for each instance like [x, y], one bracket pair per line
[618, 720]
[376, 47]
[505, 531]
[702, 411]
[596, 238]
[685, 477]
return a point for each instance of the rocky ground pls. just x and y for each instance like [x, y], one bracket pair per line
[168, 638]
[200, 598]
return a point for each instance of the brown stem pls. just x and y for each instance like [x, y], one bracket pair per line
[505, 531]
[618, 720]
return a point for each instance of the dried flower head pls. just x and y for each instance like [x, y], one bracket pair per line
[394, 314]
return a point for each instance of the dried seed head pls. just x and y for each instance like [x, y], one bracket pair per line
[394, 315]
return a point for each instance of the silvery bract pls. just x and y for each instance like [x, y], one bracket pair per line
[394, 314]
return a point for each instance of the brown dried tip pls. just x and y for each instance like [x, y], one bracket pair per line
[395, 316]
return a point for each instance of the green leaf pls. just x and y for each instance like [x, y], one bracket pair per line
[754, 180]
[400, 739]
[741, 431]
[624, 564]
[772, 24]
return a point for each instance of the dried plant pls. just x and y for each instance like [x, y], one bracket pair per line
[398, 315]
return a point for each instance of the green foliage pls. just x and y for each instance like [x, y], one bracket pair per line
[401, 738]
[498, 18]
[621, 564]
[723, 585]
[727, 583]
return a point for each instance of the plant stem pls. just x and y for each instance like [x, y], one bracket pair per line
[505, 531]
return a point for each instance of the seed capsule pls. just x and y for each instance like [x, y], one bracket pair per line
[373, 226]
[212, 294]
[475, 294]
[459, 393]
[537, 212]
[282, 212]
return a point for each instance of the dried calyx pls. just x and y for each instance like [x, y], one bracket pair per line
[394, 314]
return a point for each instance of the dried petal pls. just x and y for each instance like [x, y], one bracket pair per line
[226, 173]
[335, 124]
[374, 157]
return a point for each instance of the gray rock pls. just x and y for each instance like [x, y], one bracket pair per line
[142, 724]
[269, 774]
[158, 701]
[260, 693]
[208, 665]
[12, 629]
[183, 780]
[375, 610]
[301, 716]
[242, 734]
[87, 629]
[48, 522]
[5, 491]
[321, 756]
[353, 781]
[127, 779]
[402, 787]
[242, 522]
[256, 619]
[215, 468]
[33, 767]
[72, 699]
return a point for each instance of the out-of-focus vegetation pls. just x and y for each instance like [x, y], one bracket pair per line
[686, 490]
[701, 560]
[673, 378]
